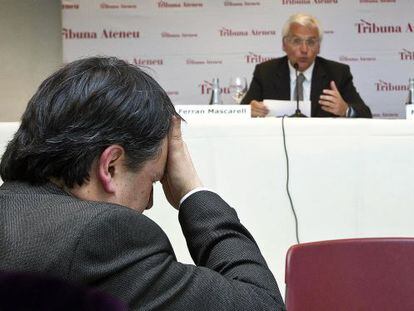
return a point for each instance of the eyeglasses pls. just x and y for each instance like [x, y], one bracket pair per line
[297, 42]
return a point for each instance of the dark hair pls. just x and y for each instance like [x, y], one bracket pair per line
[80, 110]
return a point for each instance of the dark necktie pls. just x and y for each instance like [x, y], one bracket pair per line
[299, 87]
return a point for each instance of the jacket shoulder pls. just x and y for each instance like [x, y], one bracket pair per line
[331, 64]
[272, 63]
[271, 66]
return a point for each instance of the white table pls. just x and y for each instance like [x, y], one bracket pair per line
[348, 178]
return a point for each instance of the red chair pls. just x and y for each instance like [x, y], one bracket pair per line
[354, 274]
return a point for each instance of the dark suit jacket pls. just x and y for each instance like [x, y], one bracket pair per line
[271, 80]
[120, 251]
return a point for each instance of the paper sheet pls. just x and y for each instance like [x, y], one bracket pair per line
[280, 108]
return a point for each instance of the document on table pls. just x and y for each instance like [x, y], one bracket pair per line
[280, 108]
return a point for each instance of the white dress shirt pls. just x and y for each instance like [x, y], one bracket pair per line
[306, 83]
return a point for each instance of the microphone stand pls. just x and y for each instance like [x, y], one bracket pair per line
[298, 113]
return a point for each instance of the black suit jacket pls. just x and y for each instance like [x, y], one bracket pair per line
[43, 229]
[271, 80]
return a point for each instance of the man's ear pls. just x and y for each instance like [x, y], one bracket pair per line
[108, 165]
[284, 44]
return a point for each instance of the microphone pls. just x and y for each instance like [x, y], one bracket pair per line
[298, 113]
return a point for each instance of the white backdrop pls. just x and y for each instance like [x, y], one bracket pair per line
[187, 43]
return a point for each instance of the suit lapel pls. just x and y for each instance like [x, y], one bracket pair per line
[280, 83]
[320, 80]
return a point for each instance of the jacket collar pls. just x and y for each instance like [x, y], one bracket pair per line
[26, 188]
[281, 83]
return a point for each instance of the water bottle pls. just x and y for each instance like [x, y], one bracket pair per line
[215, 98]
[410, 100]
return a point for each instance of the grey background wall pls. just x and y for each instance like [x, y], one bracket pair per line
[30, 49]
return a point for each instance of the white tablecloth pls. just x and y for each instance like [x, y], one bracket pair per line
[348, 178]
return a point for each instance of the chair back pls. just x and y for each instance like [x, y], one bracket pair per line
[353, 274]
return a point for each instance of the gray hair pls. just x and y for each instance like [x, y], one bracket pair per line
[302, 19]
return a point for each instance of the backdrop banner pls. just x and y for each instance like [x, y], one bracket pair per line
[185, 44]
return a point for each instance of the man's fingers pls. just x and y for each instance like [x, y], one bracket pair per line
[328, 109]
[329, 92]
[333, 86]
[327, 98]
[258, 109]
[331, 101]
[175, 132]
[325, 103]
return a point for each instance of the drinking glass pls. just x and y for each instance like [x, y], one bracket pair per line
[238, 88]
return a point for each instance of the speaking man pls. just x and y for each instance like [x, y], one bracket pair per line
[327, 84]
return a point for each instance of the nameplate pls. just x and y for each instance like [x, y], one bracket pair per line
[409, 112]
[214, 111]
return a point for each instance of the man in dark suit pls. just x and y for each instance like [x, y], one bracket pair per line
[78, 175]
[327, 84]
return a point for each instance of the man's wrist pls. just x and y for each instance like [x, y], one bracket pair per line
[197, 189]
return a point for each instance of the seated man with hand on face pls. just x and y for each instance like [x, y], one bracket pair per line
[78, 175]
[327, 84]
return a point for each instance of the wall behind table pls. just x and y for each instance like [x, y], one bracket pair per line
[30, 49]
[187, 43]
